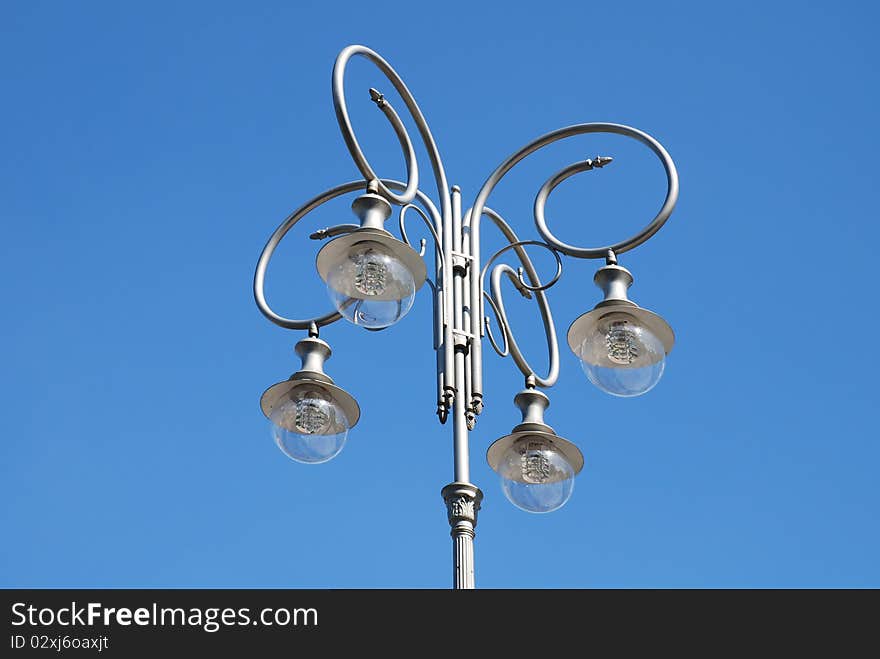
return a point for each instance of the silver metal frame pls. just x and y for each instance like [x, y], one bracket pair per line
[460, 321]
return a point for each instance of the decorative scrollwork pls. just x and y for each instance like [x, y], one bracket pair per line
[402, 224]
[454, 317]
[479, 207]
[518, 281]
[502, 324]
[596, 163]
[526, 289]
[510, 342]
[339, 105]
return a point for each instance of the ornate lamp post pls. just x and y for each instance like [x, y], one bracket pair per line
[372, 278]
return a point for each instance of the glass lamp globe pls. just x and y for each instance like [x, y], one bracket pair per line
[535, 475]
[622, 356]
[370, 286]
[309, 425]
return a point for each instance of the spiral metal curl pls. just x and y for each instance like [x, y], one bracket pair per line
[590, 164]
[534, 285]
[479, 207]
[357, 154]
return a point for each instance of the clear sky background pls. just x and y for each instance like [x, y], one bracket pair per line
[148, 151]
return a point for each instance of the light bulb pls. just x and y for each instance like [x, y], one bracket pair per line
[309, 426]
[370, 286]
[312, 413]
[622, 343]
[535, 475]
[370, 272]
[621, 356]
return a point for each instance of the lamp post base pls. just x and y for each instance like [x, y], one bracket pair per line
[462, 504]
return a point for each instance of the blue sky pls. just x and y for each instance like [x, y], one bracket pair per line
[148, 152]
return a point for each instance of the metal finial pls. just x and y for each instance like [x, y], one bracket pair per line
[377, 97]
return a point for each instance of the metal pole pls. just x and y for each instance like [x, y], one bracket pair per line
[460, 343]
[462, 498]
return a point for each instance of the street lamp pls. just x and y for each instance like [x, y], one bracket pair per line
[372, 278]
[310, 416]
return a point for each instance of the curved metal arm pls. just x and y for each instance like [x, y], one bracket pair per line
[478, 209]
[289, 223]
[513, 243]
[496, 301]
[348, 132]
[412, 166]
[587, 165]
[402, 221]
[510, 342]
[518, 281]
[501, 352]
